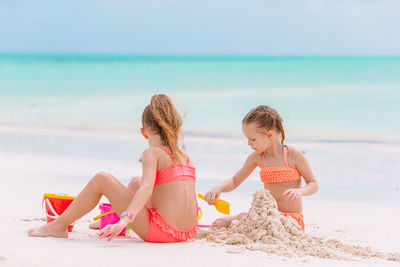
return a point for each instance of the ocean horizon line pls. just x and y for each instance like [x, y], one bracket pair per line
[200, 56]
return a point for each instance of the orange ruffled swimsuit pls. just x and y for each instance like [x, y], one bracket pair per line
[160, 231]
[282, 174]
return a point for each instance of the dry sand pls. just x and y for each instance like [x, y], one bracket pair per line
[264, 228]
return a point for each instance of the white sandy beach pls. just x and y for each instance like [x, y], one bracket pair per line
[35, 162]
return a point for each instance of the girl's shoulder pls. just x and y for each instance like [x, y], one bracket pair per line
[294, 155]
[164, 155]
[292, 150]
[150, 152]
[255, 158]
[149, 157]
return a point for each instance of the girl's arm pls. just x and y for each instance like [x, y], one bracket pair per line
[230, 184]
[143, 194]
[311, 186]
[149, 166]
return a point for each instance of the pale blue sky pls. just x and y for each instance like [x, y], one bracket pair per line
[366, 27]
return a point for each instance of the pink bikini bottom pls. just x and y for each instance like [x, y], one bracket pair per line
[160, 231]
[297, 216]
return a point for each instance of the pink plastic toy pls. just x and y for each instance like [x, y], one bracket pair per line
[111, 218]
[199, 217]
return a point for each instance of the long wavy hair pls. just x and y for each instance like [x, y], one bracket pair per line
[162, 117]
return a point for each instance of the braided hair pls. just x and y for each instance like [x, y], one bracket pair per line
[266, 118]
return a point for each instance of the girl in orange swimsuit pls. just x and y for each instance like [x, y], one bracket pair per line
[281, 166]
[161, 205]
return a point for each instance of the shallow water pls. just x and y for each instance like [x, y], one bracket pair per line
[319, 98]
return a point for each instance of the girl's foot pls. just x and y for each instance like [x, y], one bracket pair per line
[49, 229]
[95, 225]
[222, 222]
[227, 220]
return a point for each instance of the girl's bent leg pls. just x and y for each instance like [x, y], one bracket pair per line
[101, 184]
[227, 220]
[133, 186]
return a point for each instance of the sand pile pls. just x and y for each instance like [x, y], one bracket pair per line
[264, 228]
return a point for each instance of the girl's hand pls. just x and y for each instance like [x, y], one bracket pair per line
[113, 230]
[212, 195]
[292, 194]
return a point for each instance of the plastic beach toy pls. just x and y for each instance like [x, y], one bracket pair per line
[103, 214]
[108, 216]
[198, 217]
[221, 205]
[54, 205]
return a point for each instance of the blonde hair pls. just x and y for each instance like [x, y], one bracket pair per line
[266, 118]
[162, 117]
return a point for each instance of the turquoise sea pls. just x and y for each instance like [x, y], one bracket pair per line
[319, 97]
[83, 112]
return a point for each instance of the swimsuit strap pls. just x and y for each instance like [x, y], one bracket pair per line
[284, 154]
[170, 154]
[262, 160]
[166, 150]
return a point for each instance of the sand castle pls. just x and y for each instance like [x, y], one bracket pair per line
[264, 228]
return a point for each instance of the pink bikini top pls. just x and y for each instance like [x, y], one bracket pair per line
[279, 174]
[175, 172]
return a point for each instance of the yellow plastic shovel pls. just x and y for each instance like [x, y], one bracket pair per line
[103, 214]
[221, 205]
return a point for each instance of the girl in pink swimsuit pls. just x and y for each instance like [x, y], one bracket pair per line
[161, 205]
[281, 166]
